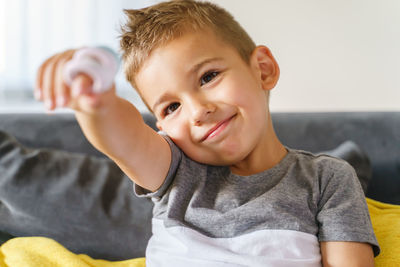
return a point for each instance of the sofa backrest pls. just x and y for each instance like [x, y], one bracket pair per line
[377, 133]
[57, 131]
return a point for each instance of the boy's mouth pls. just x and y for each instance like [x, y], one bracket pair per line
[219, 127]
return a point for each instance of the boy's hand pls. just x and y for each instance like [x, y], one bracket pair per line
[52, 89]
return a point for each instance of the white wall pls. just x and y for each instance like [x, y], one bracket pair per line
[334, 55]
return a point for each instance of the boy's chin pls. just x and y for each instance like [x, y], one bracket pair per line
[217, 159]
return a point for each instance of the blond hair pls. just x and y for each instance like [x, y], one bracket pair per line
[154, 26]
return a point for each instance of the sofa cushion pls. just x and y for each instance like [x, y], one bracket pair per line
[4, 237]
[84, 202]
[357, 158]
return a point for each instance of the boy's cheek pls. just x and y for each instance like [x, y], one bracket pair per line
[175, 132]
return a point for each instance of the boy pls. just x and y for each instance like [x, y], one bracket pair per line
[226, 191]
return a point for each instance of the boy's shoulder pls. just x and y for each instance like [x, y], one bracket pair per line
[322, 160]
[325, 166]
[328, 171]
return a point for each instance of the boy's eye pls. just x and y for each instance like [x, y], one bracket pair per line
[171, 108]
[208, 77]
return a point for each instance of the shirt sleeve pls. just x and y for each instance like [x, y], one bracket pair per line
[176, 156]
[342, 209]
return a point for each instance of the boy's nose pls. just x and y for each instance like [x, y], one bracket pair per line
[200, 111]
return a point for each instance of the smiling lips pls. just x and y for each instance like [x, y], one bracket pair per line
[217, 129]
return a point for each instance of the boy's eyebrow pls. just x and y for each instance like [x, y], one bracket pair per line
[160, 100]
[194, 69]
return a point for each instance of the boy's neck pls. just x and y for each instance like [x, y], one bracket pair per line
[265, 156]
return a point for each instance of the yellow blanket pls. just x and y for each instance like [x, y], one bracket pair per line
[386, 223]
[43, 252]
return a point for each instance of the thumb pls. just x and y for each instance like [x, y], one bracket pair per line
[81, 85]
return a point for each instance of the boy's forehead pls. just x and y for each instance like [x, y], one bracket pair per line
[196, 43]
[189, 50]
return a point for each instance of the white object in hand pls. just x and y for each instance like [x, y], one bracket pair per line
[100, 64]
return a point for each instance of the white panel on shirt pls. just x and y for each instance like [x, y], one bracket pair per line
[180, 246]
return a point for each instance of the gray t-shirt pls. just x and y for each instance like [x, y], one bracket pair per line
[207, 216]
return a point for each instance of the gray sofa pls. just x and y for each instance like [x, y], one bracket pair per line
[54, 183]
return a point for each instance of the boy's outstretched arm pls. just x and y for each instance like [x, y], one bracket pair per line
[112, 124]
[349, 254]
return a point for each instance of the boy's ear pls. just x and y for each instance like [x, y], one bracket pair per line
[268, 68]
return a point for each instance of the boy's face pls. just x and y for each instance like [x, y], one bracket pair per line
[210, 102]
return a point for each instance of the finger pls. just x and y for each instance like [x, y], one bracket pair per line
[48, 83]
[88, 101]
[38, 91]
[81, 85]
[61, 89]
